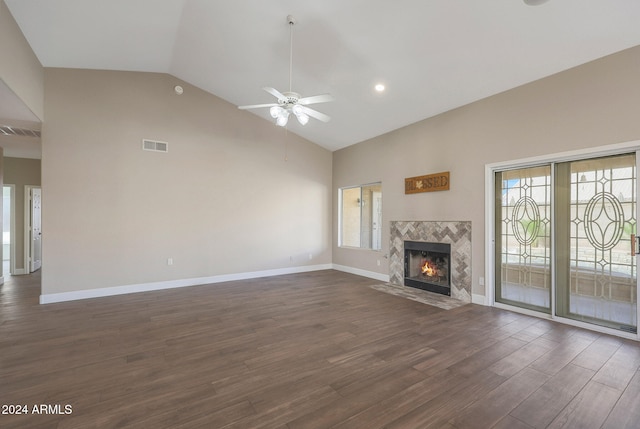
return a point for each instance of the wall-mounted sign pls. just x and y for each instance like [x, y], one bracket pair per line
[428, 183]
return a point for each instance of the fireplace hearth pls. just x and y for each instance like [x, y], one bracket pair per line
[427, 266]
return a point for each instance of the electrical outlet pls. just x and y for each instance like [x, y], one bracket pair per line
[169, 261]
[378, 262]
[481, 281]
[310, 256]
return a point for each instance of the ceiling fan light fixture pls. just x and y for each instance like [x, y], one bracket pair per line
[275, 111]
[291, 102]
[303, 118]
[297, 109]
[283, 117]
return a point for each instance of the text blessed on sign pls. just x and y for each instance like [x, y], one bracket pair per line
[428, 183]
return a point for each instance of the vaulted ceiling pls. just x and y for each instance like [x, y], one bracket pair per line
[432, 55]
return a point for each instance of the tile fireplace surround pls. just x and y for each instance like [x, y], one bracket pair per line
[458, 234]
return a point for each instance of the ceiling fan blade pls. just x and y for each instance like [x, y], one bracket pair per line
[322, 98]
[315, 114]
[255, 106]
[275, 93]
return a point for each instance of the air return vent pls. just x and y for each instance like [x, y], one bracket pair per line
[155, 146]
[6, 130]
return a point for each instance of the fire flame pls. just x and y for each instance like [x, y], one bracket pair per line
[428, 270]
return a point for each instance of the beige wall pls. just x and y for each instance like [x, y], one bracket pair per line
[20, 172]
[592, 105]
[234, 194]
[19, 68]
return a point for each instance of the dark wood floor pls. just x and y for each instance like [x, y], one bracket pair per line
[315, 350]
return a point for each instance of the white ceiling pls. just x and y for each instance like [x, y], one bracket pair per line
[432, 55]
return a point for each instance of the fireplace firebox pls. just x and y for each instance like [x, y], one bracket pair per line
[427, 266]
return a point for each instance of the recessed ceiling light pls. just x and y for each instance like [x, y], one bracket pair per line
[535, 2]
[379, 87]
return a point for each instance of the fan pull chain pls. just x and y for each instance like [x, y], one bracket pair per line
[286, 144]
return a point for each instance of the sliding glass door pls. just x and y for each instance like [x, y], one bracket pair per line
[595, 220]
[523, 240]
[587, 272]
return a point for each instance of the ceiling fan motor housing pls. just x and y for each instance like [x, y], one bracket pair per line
[292, 98]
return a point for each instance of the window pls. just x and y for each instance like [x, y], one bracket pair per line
[360, 223]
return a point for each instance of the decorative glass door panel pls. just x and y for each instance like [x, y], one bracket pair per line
[595, 219]
[523, 237]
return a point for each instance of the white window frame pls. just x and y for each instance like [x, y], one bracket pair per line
[340, 213]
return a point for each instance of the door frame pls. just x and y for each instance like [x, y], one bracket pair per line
[489, 251]
[12, 229]
[27, 226]
[376, 203]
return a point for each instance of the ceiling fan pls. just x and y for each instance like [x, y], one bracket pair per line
[290, 102]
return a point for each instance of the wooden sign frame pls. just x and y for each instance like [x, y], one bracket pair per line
[429, 183]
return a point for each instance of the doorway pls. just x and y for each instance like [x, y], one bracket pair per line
[564, 240]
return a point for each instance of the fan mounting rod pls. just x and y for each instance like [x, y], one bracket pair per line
[291, 21]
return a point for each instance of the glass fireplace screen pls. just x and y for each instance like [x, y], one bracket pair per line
[427, 266]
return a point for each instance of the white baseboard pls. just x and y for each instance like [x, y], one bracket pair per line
[20, 272]
[148, 287]
[170, 284]
[363, 273]
[478, 299]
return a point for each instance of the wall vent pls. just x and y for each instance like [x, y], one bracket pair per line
[155, 146]
[6, 130]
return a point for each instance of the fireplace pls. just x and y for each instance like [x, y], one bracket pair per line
[455, 233]
[427, 266]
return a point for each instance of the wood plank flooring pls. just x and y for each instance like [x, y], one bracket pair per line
[313, 350]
